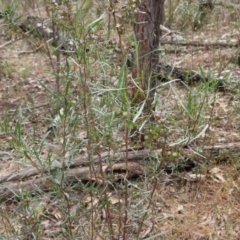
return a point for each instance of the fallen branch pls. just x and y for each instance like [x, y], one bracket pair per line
[81, 161]
[7, 43]
[113, 169]
[227, 146]
[72, 176]
[36, 49]
[222, 43]
[107, 157]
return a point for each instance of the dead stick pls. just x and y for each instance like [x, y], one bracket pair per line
[71, 176]
[106, 156]
[202, 44]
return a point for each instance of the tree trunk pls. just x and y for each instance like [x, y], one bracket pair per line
[149, 15]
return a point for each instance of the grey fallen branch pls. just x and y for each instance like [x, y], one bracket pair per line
[36, 49]
[72, 176]
[81, 161]
[222, 43]
[167, 32]
[105, 158]
[113, 169]
[7, 43]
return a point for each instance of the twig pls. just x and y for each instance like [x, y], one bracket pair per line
[6, 43]
[36, 49]
[167, 31]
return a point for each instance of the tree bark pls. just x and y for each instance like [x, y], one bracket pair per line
[149, 15]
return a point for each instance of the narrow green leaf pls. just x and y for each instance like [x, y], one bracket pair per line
[94, 23]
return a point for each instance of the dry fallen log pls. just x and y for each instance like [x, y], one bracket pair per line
[222, 43]
[230, 146]
[72, 176]
[81, 161]
[113, 168]
[107, 157]
[167, 73]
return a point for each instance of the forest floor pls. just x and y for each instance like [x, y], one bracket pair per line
[200, 204]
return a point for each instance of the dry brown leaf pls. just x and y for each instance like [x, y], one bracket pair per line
[217, 175]
[179, 209]
[115, 200]
[208, 219]
[148, 230]
[90, 201]
[57, 214]
[196, 176]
